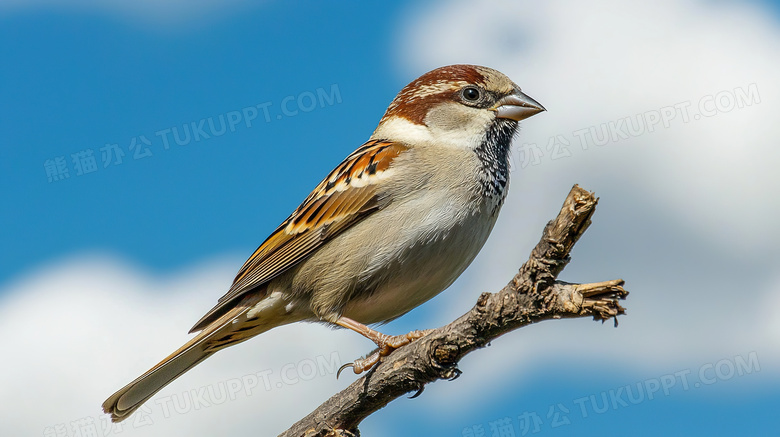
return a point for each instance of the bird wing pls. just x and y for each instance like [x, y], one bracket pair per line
[346, 196]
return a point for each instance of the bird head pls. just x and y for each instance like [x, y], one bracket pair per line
[456, 106]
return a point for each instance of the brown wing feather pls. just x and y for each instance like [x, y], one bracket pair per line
[343, 198]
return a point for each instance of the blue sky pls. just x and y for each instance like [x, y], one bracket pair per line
[116, 261]
[78, 81]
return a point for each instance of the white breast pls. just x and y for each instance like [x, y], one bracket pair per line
[432, 249]
[407, 252]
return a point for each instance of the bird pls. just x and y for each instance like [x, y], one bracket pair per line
[392, 226]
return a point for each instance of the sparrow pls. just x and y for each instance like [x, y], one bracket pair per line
[389, 228]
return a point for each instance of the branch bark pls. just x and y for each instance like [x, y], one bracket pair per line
[534, 294]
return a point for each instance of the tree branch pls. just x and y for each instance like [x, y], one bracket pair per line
[532, 295]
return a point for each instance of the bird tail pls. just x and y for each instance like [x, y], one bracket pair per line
[218, 335]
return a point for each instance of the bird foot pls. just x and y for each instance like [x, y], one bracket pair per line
[385, 345]
[388, 343]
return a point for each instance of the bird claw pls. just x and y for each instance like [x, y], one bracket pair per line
[419, 392]
[385, 346]
[453, 374]
[342, 368]
[362, 364]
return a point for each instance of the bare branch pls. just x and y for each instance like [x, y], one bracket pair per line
[532, 295]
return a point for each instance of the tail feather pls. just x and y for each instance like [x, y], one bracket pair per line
[125, 401]
[216, 336]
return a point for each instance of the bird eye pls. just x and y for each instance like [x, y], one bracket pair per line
[471, 94]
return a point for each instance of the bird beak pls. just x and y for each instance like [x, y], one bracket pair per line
[517, 106]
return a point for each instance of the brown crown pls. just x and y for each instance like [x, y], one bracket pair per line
[433, 87]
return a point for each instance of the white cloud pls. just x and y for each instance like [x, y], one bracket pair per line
[158, 14]
[601, 61]
[78, 330]
[694, 202]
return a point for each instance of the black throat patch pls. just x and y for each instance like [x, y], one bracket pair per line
[494, 155]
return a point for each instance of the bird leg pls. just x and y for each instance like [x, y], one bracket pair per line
[385, 343]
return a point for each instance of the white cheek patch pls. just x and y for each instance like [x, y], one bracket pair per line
[468, 135]
[459, 126]
[403, 130]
